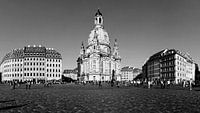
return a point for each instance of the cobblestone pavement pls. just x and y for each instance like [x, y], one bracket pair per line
[92, 99]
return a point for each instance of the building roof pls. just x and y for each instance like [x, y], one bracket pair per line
[68, 71]
[127, 68]
[170, 52]
[32, 51]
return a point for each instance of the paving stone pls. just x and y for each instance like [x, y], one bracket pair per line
[91, 99]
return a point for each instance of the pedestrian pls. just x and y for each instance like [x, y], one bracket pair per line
[14, 84]
[26, 85]
[190, 84]
[149, 84]
[168, 83]
[100, 84]
[112, 83]
[11, 84]
[117, 84]
[29, 85]
[184, 83]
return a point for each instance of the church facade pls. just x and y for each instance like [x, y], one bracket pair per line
[98, 61]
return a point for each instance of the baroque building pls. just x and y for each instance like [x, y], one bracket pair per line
[170, 65]
[98, 61]
[129, 73]
[70, 73]
[34, 63]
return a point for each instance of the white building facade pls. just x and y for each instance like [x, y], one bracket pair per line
[184, 68]
[32, 63]
[98, 61]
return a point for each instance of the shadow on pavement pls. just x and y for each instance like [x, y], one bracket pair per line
[10, 104]
[4, 101]
[12, 107]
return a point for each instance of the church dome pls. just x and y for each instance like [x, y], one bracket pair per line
[100, 34]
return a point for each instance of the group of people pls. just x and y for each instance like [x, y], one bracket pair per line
[112, 83]
[167, 83]
[14, 84]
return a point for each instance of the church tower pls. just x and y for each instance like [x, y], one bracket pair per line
[98, 21]
[117, 61]
[116, 50]
[82, 51]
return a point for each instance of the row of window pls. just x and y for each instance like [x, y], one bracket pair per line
[34, 63]
[168, 75]
[16, 60]
[168, 63]
[181, 59]
[32, 74]
[53, 70]
[189, 72]
[167, 53]
[168, 58]
[13, 65]
[32, 69]
[181, 74]
[53, 60]
[181, 64]
[35, 54]
[167, 69]
[33, 59]
[53, 65]
[53, 75]
[180, 68]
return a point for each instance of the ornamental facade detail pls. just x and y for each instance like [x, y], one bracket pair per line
[98, 61]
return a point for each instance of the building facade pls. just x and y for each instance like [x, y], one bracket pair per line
[32, 63]
[98, 61]
[170, 64]
[71, 73]
[129, 73]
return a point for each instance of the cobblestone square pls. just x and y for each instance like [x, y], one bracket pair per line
[92, 99]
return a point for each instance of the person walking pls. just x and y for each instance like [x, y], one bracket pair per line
[26, 84]
[100, 85]
[14, 84]
[190, 84]
[168, 83]
[29, 85]
[149, 84]
[184, 84]
[117, 84]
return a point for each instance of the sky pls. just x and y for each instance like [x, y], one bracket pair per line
[141, 27]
